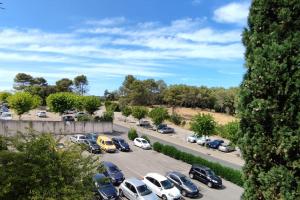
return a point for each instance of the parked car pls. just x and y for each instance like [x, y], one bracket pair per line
[3, 109]
[143, 123]
[121, 144]
[135, 189]
[41, 114]
[70, 112]
[68, 118]
[160, 126]
[78, 138]
[226, 148]
[203, 140]
[92, 146]
[113, 172]
[205, 175]
[106, 144]
[92, 136]
[183, 183]
[192, 138]
[215, 144]
[79, 114]
[166, 130]
[6, 116]
[162, 187]
[142, 143]
[104, 188]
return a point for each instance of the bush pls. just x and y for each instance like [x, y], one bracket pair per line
[203, 124]
[158, 115]
[232, 175]
[106, 117]
[3, 143]
[112, 106]
[84, 118]
[132, 134]
[176, 119]
[146, 138]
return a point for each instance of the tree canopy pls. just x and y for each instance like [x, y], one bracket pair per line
[81, 84]
[158, 115]
[203, 124]
[139, 112]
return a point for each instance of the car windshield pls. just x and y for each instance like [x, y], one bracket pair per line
[122, 141]
[7, 115]
[108, 142]
[82, 137]
[92, 142]
[167, 184]
[143, 190]
[113, 169]
[144, 141]
[185, 180]
[210, 173]
[104, 182]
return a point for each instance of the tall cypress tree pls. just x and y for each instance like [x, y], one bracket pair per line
[270, 101]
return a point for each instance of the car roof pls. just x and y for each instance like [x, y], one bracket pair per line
[176, 173]
[157, 176]
[117, 138]
[108, 164]
[79, 135]
[99, 176]
[140, 138]
[201, 167]
[102, 137]
[134, 181]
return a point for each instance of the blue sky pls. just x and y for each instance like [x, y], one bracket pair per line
[194, 42]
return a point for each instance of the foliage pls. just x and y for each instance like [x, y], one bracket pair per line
[60, 102]
[126, 111]
[158, 115]
[111, 96]
[4, 96]
[84, 118]
[269, 101]
[81, 84]
[139, 112]
[64, 85]
[175, 118]
[91, 104]
[229, 131]
[3, 143]
[132, 134]
[203, 124]
[22, 102]
[232, 175]
[107, 104]
[107, 116]
[114, 107]
[35, 169]
[146, 138]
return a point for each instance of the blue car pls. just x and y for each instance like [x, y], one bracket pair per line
[215, 144]
[121, 144]
[104, 188]
[113, 172]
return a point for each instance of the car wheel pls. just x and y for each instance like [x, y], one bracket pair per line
[183, 192]
[209, 184]
[121, 194]
[164, 197]
[191, 176]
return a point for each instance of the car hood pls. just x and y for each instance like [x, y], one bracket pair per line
[191, 187]
[150, 196]
[173, 191]
[117, 175]
[96, 146]
[108, 191]
[124, 145]
[216, 178]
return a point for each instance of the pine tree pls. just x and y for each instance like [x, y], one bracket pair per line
[270, 101]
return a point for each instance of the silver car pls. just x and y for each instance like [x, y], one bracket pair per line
[135, 189]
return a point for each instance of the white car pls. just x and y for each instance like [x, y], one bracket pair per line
[78, 138]
[135, 189]
[162, 187]
[41, 114]
[142, 143]
[143, 123]
[6, 116]
[192, 138]
[203, 140]
[226, 148]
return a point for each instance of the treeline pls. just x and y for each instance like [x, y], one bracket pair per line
[157, 92]
[39, 86]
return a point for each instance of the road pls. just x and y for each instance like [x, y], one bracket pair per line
[123, 130]
[140, 162]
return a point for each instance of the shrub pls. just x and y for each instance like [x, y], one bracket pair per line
[112, 106]
[232, 175]
[203, 124]
[139, 112]
[3, 143]
[158, 115]
[84, 118]
[126, 111]
[176, 119]
[146, 138]
[132, 134]
[106, 117]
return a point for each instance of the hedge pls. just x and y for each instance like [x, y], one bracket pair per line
[132, 134]
[229, 174]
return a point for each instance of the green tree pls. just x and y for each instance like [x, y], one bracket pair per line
[64, 85]
[4, 96]
[158, 115]
[81, 84]
[203, 125]
[60, 102]
[91, 104]
[22, 80]
[36, 169]
[269, 101]
[132, 134]
[139, 112]
[22, 102]
[126, 111]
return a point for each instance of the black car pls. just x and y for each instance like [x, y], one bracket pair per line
[92, 136]
[205, 175]
[113, 172]
[215, 144]
[161, 126]
[183, 183]
[104, 188]
[92, 146]
[121, 144]
[68, 118]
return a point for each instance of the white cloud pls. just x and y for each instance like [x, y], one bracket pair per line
[107, 21]
[232, 13]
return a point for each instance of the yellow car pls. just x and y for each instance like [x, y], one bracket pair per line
[106, 144]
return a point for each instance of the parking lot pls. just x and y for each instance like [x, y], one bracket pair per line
[139, 162]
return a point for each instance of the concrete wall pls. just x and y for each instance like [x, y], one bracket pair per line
[11, 127]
